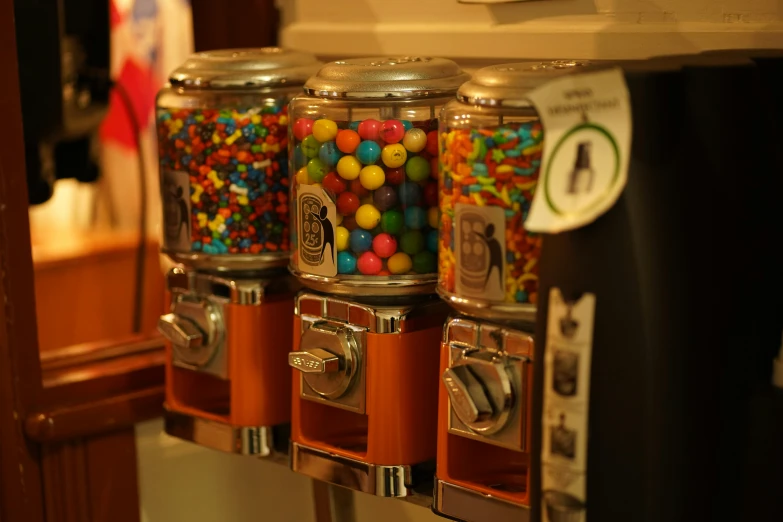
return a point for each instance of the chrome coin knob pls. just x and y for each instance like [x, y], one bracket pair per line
[180, 331]
[481, 393]
[328, 360]
[194, 329]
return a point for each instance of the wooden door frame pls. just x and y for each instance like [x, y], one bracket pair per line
[21, 494]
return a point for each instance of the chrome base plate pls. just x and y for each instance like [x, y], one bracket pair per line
[459, 503]
[268, 442]
[411, 483]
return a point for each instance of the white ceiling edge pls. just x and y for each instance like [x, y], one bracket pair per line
[536, 39]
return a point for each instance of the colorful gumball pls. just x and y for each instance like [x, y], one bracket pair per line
[368, 217]
[334, 183]
[341, 238]
[324, 130]
[384, 245]
[415, 218]
[349, 167]
[347, 140]
[369, 263]
[432, 143]
[361, 240]
[395, 176]
[302, 128]
[372, 177]
[399, 263]
[317, 169]
[346, 263]
[347, 203]
[392, 131]
[417, 168]
[431, 194]
[415, 140]
[409, 194]
[385, 198]
[369, 129]
[329, 154]
[368, 152]
[394, 155]
[310, 146]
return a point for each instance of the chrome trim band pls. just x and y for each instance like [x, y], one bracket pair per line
[383, 481]
[488, 309]
[416, 315]
[457, 502]
[251, 441]
[228, 262]
[243, 291]
[386, 286]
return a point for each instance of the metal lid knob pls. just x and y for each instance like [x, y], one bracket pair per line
[328, 359]
[481, 393]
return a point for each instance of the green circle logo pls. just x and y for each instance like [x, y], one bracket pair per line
[615, 174]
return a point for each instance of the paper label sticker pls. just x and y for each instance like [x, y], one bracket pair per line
[587, 145]
[567, 359]
[317, 218]
[175, 195]
[480, 251]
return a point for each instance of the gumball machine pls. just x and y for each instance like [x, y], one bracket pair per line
[222, 126]
[491, 143]
[364, 167]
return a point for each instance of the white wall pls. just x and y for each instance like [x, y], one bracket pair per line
[596, 29]
[182, 482]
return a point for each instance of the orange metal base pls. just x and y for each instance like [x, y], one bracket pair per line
[400, 424]
[257, 391]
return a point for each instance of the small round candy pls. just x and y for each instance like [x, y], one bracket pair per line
[392, 131]
[385, 198]
[324, 130]
[432, 215]
[407, 125]
[369, 264]
[300, 160]
[395, 176]
[356, 187]
[302, 128]
[349, 222]
[417, 168]
[368, 152]
[412, 242]
[338, 218]
[369, 129]
[349, 167]
[399, 263]
[310, 146]
[302, 177]
[334, 183]
[329, 154]
[394, 155]
[317, 169]
[347, 203]
[409, 194]
[431, 194]
[415, 140]
[432, 240]
[342, 237]
[346, 263]
[347, 141]
[368, 217]
[432, 143]
[392, 221]
[415, 217]
[354, 126]
[360, 241]
[425, 262]
[384, 245]
[372, 177]
[434, 167]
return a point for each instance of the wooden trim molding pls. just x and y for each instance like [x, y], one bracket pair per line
[96, 388]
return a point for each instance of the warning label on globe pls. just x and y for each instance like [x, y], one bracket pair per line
[480, 251]
[316, 215]
[175, 194]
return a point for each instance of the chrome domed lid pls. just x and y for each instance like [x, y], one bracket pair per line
[507, 85]
[263, 67]
[387, 77]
